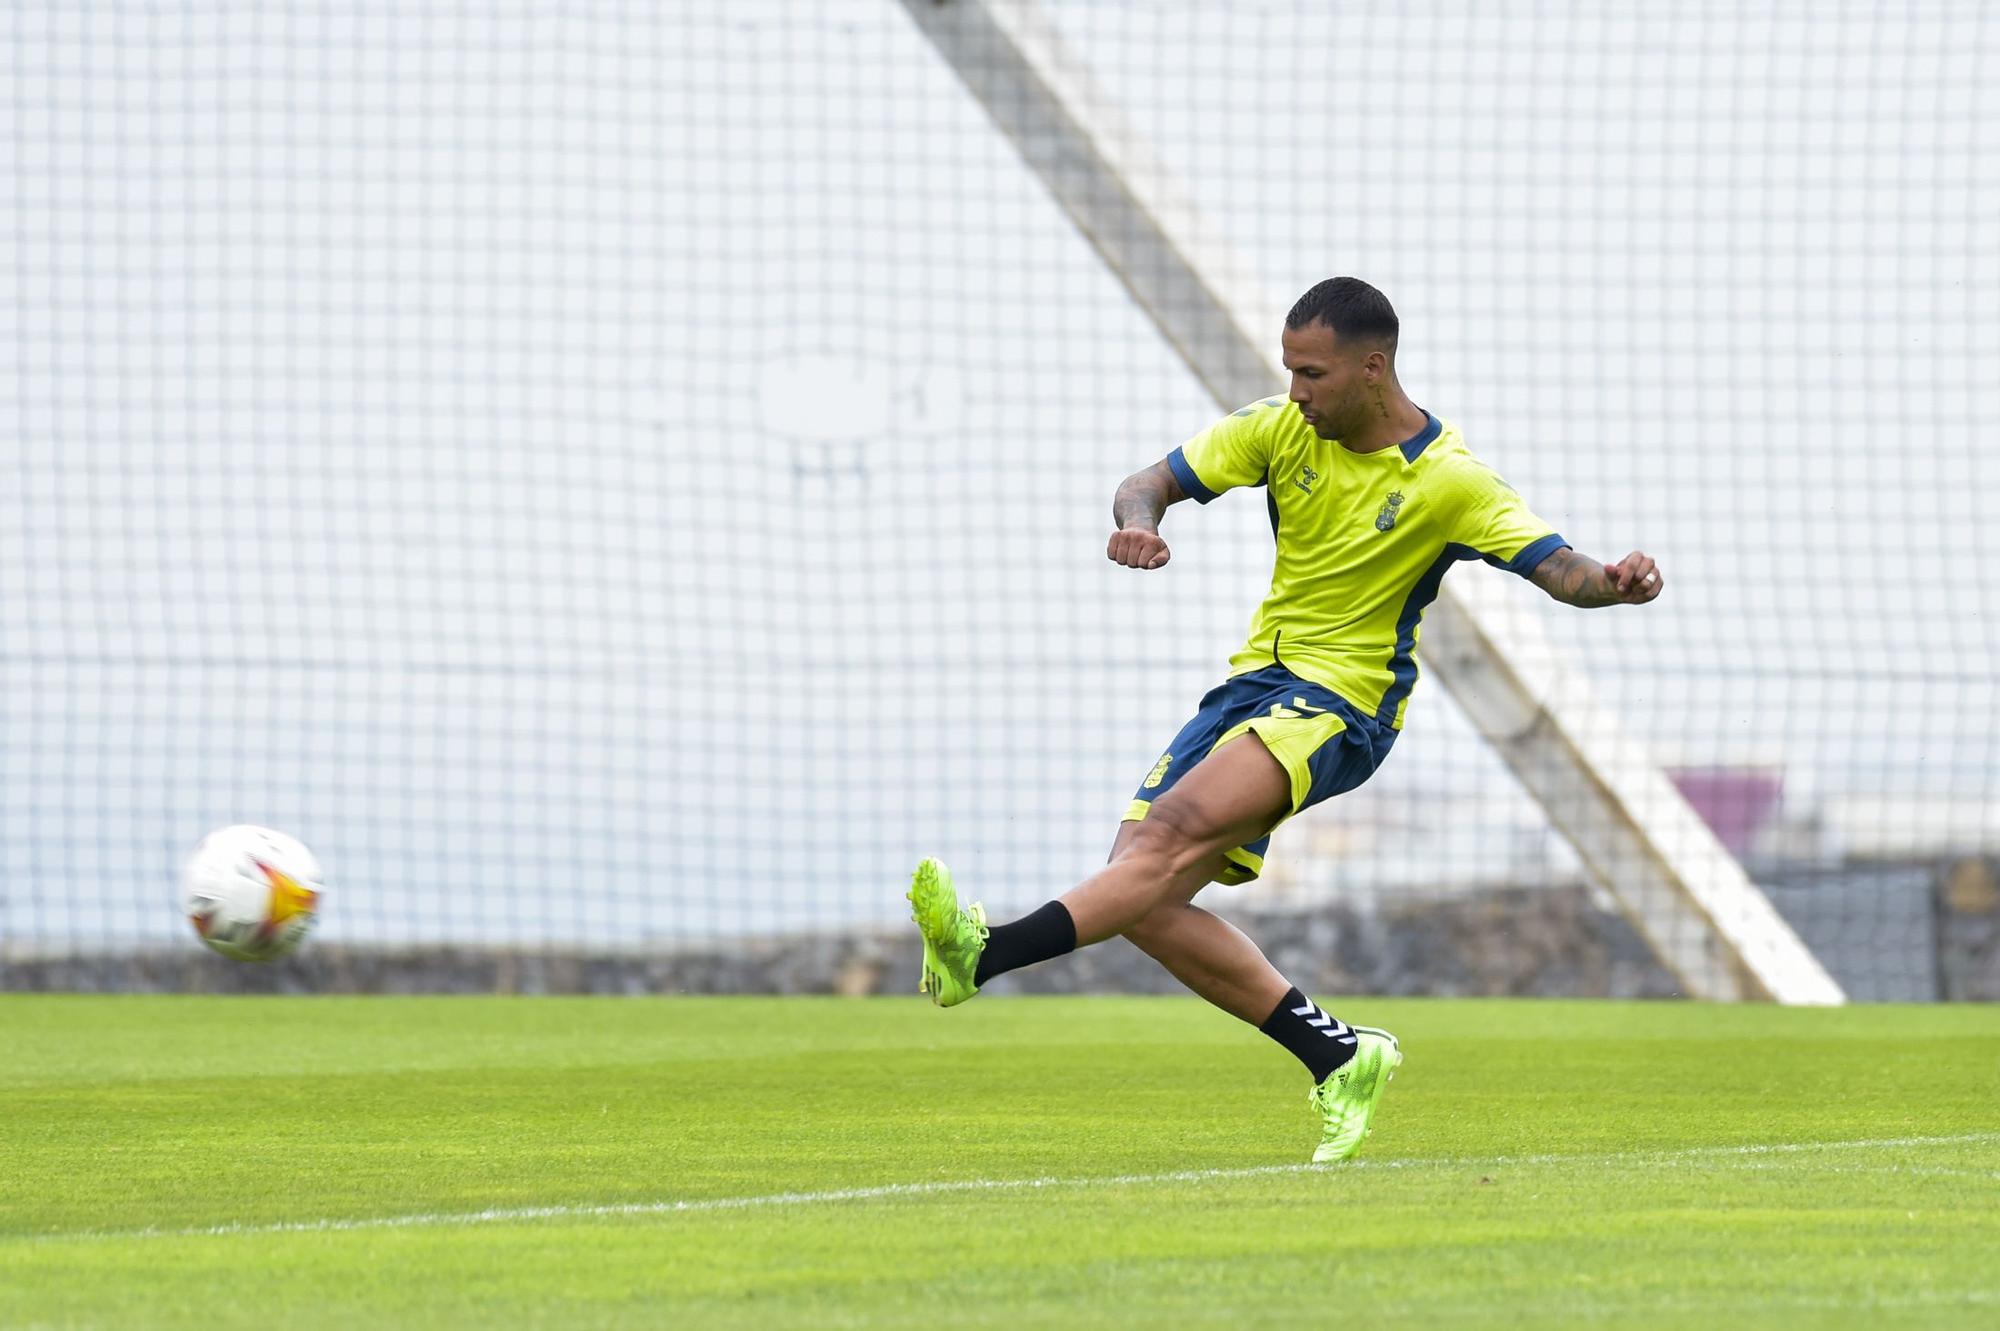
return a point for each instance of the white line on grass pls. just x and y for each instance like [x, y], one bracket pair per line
[509, 1215]
[1899, 1171]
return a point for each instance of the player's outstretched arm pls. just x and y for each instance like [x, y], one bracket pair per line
[1578, 580]
[1136, 510]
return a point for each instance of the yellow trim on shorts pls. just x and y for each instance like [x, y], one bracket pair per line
[1292, 741]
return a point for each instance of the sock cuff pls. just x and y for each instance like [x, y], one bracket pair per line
[1047, 931]
[1313, 1035]
[1292, 999]
[1061, 923]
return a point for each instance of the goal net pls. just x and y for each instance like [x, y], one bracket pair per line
[633, 477]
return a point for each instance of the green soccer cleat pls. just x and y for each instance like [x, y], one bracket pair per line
[953, 936]
[1346, 1100]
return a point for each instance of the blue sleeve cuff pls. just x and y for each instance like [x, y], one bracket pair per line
[1531, 555]
[1191, 484]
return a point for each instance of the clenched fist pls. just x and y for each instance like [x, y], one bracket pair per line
[1135, 547]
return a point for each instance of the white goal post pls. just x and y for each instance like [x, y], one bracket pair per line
[1681, 888]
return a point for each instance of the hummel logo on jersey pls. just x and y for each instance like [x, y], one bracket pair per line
[1387, 517]
[1329, 1026]
[1304, 480]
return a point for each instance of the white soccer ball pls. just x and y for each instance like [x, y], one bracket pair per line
[251, 893]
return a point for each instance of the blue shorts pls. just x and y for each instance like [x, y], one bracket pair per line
[1324, 742]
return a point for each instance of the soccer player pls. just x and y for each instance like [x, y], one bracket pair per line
[1372, 499]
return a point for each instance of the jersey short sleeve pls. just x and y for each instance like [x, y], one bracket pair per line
[1494, 522]
[1234, 451]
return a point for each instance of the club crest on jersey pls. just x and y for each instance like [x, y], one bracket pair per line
[1387, 517]
[1304, 480]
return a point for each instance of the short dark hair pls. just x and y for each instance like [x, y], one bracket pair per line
[1355, 311]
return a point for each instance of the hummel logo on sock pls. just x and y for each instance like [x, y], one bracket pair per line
[1313, 1035]
[1328, 1025]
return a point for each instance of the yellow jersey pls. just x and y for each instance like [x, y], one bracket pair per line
[1363, 539]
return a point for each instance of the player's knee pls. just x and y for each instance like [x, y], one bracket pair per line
[1175, 836]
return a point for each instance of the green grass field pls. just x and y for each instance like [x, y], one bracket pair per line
[372, 1162]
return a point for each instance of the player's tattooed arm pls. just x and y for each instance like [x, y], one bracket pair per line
[1136, 509]
[1578, 580]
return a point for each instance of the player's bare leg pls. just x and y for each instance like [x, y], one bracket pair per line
[1233, 797]
[1236, 795]
[1203, 951]
[1350, 1066]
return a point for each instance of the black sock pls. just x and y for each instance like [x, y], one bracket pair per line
[1318, 1040]
[1049, 932]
